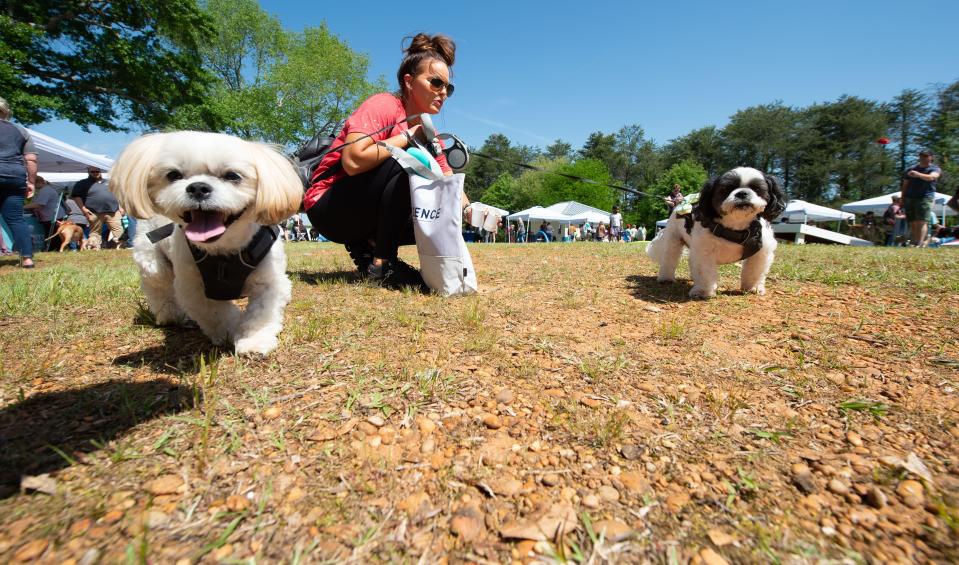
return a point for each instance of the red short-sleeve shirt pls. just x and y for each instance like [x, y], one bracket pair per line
[376, 112]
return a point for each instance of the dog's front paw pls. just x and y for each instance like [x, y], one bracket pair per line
[168, 317]
[256, 345]
[701, 292]
[759, 289]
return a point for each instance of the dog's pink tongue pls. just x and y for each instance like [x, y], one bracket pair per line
[204, 226]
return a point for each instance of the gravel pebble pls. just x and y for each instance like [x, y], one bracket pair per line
[911, 493]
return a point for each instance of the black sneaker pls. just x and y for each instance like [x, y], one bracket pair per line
[361, 254]
[395, 273]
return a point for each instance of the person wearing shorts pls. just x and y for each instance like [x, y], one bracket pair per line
[918, 192]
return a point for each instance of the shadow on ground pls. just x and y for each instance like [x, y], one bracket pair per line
[50, 431]
[180, 353]
[646, 287]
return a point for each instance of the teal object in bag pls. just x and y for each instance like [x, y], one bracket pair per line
[420, 156]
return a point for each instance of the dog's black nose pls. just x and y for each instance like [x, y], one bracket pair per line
[742, 195]
[199, 190]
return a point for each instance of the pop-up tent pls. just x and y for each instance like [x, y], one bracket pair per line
[538, 213]
[879, 204]
[489, 208]
[55, 156]
[580, 213]
[802, 211]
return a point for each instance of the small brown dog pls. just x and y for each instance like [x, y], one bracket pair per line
[69, 231]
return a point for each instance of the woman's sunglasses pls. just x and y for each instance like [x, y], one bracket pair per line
[438, 85]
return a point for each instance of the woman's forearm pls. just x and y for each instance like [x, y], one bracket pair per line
[366, 155]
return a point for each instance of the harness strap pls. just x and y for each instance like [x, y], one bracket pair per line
[160, 233]
[751, 238]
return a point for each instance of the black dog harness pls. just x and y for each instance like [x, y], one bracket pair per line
[225, 275]
[750, 238]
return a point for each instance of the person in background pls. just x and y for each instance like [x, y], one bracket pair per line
[869, 226]
[615, 224]
[674, 199]
[18, 171]
[520, 231]
[894, 221]
[640, 233]
[45, 205]
[129, 230]
[918, 191]
[94, 198]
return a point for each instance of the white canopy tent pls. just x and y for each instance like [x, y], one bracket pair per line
[491, 209]
[879, 204]
[55, 156]
[594, 218]
[580, 213]
[805, 211]
[538, 213]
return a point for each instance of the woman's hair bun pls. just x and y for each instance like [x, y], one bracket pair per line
[438, 45]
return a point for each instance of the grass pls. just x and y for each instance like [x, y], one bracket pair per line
[104, 401]
[875, 409]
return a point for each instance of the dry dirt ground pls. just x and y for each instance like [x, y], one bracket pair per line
[573, 411]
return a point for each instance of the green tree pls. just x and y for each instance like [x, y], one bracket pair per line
[481, 173]
[840, 157]
[557, 188]
[601, 147]
[755, 137]
[908, 120]
[688, 174]
[943, 136]
[637, 161]
[559, 149]
[105, 64]
[704, 145]
[275, 85]
[317, 86]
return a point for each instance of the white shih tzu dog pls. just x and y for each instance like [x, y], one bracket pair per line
[729, 223]
[211, 202]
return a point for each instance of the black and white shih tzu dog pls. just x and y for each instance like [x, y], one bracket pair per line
[729, 223]
[211, 203]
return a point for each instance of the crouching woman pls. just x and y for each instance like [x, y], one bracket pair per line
[360, 196]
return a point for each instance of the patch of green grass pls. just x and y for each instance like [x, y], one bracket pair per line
[868, 267]
[64, 285]
[773, 436]
[876, 409]
[671, 330]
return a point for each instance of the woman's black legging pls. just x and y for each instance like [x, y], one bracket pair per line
[374, 205]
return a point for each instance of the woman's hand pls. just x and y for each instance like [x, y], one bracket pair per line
[417, 133]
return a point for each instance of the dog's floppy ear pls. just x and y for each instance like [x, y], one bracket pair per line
[280, 191]
[130, 175]
[705, 204]
[777, 199]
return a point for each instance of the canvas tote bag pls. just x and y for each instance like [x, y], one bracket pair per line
[445, 262]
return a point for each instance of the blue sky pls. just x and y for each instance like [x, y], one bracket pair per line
[541, 71]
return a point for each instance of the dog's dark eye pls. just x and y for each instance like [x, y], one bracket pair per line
[174, 176]
[232, 177]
